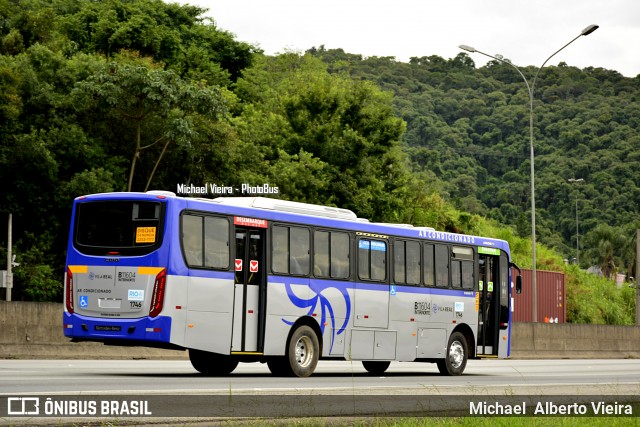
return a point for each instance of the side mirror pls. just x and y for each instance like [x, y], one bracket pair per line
[518, 284]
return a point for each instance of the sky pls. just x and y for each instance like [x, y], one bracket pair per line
[526, 33]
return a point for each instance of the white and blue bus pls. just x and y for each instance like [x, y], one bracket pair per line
[250, 279]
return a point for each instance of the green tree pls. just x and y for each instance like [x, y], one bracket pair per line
[155, 104]
[463, 121]
[46, 56]
[175, 35]
[602, 242]
[343, 131]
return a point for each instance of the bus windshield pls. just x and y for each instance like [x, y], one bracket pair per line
[118, 227]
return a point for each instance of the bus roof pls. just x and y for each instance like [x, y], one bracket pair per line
[302, 213]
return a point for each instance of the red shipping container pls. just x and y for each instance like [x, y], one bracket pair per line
[551, 290]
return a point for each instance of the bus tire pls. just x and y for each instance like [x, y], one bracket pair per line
[212, 364]
[303, 352]
[457, 354]
[279, 366]
[375, 367]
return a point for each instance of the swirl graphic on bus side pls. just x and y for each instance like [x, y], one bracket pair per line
[325, 307]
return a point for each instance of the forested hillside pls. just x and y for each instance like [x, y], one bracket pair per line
[470, 128]
[142, 94]
[136, 95]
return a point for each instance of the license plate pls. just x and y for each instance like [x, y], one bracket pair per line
[107, 328]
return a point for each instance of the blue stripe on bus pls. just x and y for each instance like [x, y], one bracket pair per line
[212, 274]
[321, 302]
[321, 284]
[435, 291]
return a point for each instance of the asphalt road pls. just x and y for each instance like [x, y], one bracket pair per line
[173, 392]
[499, 377]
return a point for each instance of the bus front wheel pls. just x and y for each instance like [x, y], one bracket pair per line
[302, 354]
[212, 364]
[457, 354]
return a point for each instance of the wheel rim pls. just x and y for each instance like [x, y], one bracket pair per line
[456, 354]
[304, 352]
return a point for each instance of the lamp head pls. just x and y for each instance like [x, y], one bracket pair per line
[467, 48]
[590, 29]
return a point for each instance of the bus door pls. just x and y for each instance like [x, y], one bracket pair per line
[503, 297]
[488, 291]
[249, 290]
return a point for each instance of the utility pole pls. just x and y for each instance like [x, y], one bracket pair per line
[530, 89]
[9, 262]
[572, 180]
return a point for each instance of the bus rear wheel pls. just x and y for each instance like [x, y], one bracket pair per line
[302, 354]
[375, 367]
[212, 364]
[279, 366]
[457, 354]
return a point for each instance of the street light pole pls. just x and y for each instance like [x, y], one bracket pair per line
[530, 88]
[575, 181]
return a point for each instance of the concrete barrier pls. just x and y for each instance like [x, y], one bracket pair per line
[31, 330]
[557, 341]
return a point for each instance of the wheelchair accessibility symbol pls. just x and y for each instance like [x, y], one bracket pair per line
[84, 301]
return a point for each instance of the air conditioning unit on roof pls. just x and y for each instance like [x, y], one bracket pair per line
[288, 206]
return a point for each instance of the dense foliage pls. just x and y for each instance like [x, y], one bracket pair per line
[84, 88]
[471, 128]
[132, 95]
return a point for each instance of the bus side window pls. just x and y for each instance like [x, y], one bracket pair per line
[429, 265]
[321, 254]
[364, 261]
[413, 263]
[280, 249]
[372, 264]
[192, 240]
[467, 275]
[299, 245]
[462, 267]
[462, 274]
[340, 255]
[407, 262]
[399, 273]
[442, 265]
[290, 250]
[331, 254]
[456, 273]
[216, 242]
